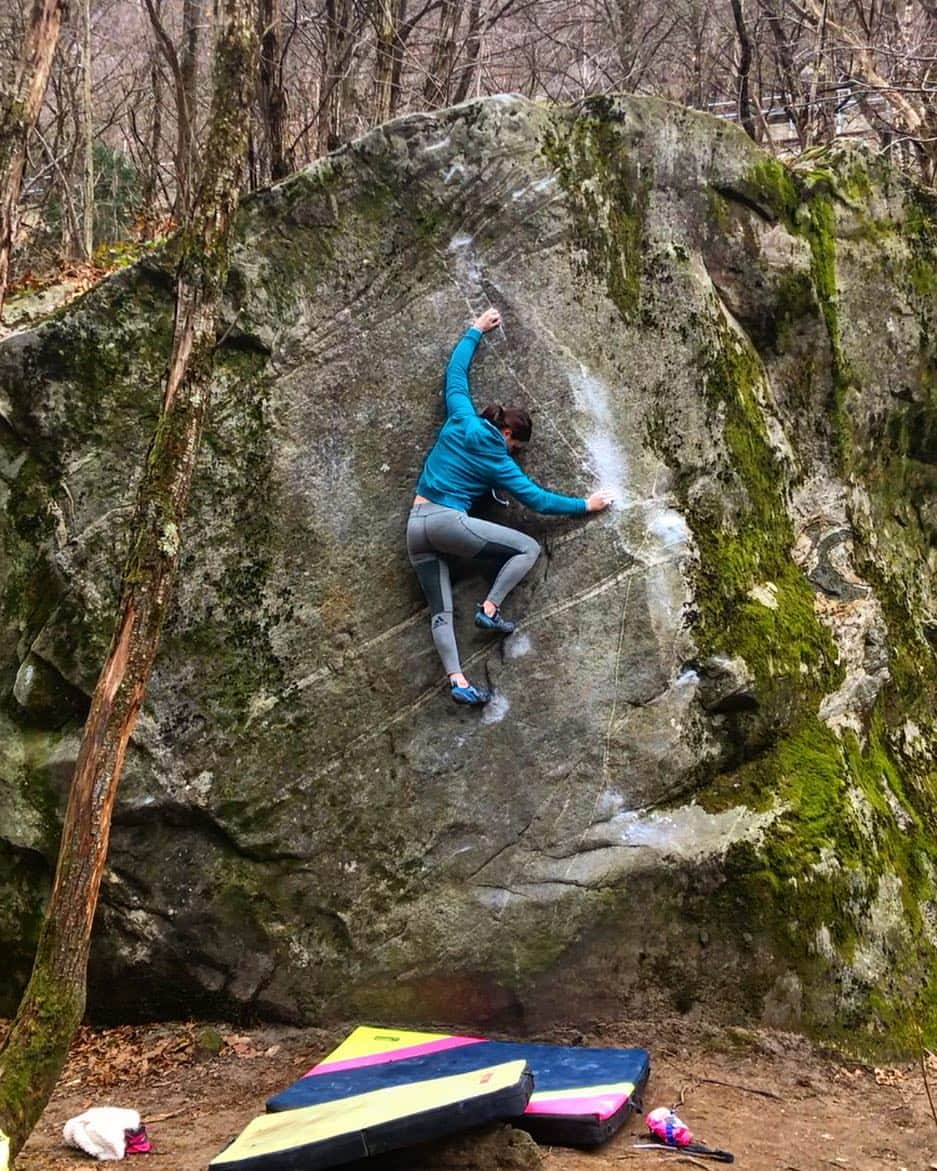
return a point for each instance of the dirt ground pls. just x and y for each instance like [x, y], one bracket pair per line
[770, 1098]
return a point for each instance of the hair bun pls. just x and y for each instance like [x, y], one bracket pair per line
[494, 413]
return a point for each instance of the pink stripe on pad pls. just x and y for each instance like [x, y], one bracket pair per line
[393, 1055]
[603, 1106]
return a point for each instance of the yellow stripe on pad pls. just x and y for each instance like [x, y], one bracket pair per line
[366, 1040]
[289, 1129]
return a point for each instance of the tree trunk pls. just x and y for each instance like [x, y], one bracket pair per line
[743, 98]
[793, 96]
[390, 14]
[623, 22]
[814, 120]
[87, 111]
[337, 82]
[442, 60]
[400, 47]
[187, 106]
[271, 92]
[19, 109]
[151, 173]
[473, 44]
[63, 99]
[330, 103]
[35, 1048]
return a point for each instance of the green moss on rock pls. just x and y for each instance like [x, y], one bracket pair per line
[608, 195]
[746, 545]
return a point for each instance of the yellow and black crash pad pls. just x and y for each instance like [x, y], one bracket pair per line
[355, 1126]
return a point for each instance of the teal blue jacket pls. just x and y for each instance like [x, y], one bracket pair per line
[470, 455]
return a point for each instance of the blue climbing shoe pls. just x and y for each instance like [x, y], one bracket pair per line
[493, 622]
[473, 696]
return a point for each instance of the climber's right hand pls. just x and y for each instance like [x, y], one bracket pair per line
[489, 320]
[600, 500]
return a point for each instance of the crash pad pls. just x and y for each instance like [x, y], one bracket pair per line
[582, 1095]
[357, 1125]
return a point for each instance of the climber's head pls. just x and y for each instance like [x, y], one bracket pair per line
[514, 423]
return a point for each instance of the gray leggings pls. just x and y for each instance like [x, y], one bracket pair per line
[435, 533]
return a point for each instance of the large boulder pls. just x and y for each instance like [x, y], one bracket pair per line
[706, 779]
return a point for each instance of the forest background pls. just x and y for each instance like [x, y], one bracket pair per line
[113, 160]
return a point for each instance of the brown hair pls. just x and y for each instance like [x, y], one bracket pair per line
[514, 419]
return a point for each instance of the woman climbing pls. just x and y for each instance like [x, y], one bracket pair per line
[471, 455]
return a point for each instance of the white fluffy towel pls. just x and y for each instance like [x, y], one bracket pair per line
[100, 1131]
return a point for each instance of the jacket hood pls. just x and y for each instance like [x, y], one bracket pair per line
[480, 435]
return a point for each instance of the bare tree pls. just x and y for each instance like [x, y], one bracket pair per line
[149, 140]
[467, 72]
[19, 109]
[789, 90]
[342, 30]
[187, 103]
[184, 69]
[624, 23]
[270, 89]
[745, 114]
[886, 52]
[443, 54]
[817, 122]
[865, 63]
[388, 47]
[87, 111]
[34, 1050]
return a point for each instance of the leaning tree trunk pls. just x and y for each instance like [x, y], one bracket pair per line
[52, 1006]
[19, 109]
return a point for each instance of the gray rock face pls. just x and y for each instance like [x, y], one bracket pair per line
[705, 776]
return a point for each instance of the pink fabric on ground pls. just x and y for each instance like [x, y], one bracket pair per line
[602, 1106]
[138, 1142]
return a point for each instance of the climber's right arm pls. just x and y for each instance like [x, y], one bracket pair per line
[458, 394]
